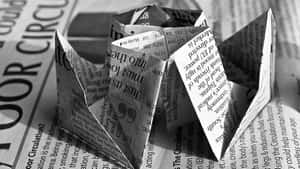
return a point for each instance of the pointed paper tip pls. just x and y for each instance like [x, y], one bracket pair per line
[59, 38]
[58, 34]
[62, 39]
[270, 12]
[270, 16]
[64, 43]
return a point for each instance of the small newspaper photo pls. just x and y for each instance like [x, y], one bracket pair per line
[152, 87]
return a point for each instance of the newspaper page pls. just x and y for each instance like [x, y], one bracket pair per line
[27, 48]
[270, 141]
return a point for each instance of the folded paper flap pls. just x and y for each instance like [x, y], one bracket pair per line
[135, 68]
[266, 73]
[133, 92]
[73, 109]
[249, 61]
[273, 52]
[181, 17]
[176, 100]
[238, 75]
[173, 94]
[151, 43]
[138, 41]
[201, 70]
[151, 15]
[105, 114]
[176, 37]
[160, 42]
[245, 49]
[92, 77]
[159, 16]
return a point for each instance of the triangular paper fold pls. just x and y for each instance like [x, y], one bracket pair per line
[253, 47]
[133, 93]
[74, 114]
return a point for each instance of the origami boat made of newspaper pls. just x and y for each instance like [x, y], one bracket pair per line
[165, 59]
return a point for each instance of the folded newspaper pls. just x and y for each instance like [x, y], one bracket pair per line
[166, 62]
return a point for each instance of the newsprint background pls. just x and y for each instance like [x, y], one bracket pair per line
[29, 137]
